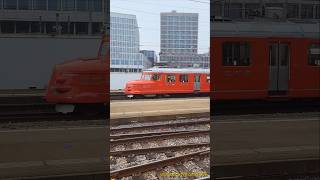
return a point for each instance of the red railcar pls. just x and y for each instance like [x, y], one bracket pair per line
[252, 60]
[166, 81]
[81, 83]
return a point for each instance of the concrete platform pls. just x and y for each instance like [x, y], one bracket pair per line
[249, 146]
[52, 152]
[158, 107]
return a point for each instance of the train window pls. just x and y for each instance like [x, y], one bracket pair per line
[236, 54]
[208, 79]
[171, 78]
[146, 77]
[314, 55]
[156, 77]
[183, 78]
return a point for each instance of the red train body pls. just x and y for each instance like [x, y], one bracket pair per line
[259, 61]
[166, 81]
[81, 82]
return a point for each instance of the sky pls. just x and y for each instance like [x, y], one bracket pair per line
[148, 17]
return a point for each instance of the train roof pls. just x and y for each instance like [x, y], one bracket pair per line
[178, 70]
[265, 29]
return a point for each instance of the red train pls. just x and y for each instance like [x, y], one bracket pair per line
[81, 83]
[165, 81]
[252, 60]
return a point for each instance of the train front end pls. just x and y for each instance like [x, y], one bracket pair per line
[145, 86]
[78, 83]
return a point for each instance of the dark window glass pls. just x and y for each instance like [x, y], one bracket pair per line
[252, 9]
[82, 5]
[22, 27]
[96, 28]
[314, 55]
[95, 5]
[317, 9]
[51, 27]
[68, 5]
[81, 28]
[183, 78]
[233, 10]
[25, 4]
[236, 54]
[306, 11]
[40, 4]
[54, 5]
[293, 11]
[7, 27]
[10, 4]
[156, 77]
[171, 78]
[0, 4]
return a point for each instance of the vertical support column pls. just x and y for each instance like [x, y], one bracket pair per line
[17, 4]
[74, 28]
[314, 11]
[222, 9]
[47, 7]
[15, 27]
[299, 10]
[243, 10]
[45, 28]
[29, 27]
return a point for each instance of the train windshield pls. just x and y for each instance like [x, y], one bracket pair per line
[149, 77]
[146, 77]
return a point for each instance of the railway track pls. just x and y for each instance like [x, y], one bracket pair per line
[153, 150]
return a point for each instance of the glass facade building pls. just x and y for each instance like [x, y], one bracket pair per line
[124, 45]
[179, 38]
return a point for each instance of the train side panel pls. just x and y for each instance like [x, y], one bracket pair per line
[304, 78]
[239, 82]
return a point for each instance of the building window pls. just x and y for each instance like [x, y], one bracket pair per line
[22, 27]
[183, 78]
[317, 9]
[171, 78]
[293, 11]
[306, 11]
[252, 9]
[7, 27]
[68, 5]
[236, 54]
[40, 4]
[54, 5]
[95, 5]
[233, 10]
[10, 4]
[314, 55]
[82, 5]
[25, 4]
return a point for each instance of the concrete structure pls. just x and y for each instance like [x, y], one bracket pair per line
[37, 34]
[179, 38]
[253, 9]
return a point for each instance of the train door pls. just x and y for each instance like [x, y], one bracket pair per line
[196, 86]
[279, 60]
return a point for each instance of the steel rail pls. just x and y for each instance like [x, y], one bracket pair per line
[155, 164]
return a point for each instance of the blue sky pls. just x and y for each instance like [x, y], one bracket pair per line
[148, 16]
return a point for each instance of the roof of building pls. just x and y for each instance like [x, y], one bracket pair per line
[263, 29]
[178, 70]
